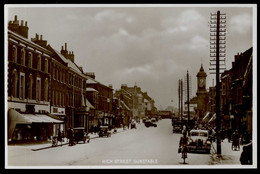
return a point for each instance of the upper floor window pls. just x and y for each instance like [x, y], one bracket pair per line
[30, 87]
[30, 59]
[22, 57]
[38, 89]
[14, 83]
[22, 86]
[53, 72]
[46, 65]
[46, 90]
[14, 53]
[64, 77]
[39, 62]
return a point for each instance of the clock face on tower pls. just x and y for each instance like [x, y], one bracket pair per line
[201, 82]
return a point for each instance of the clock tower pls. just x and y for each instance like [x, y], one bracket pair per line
[201, 79]
[201, 93]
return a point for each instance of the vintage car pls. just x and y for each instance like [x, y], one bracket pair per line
[176, 128]
[80, 135]
[149, 123]
[104, 131]
[133, 125]
[199, 141]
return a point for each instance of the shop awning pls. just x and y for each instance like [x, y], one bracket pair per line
[206, 117]
[123, 103]
[88, 104]
[213, 118]
[15, 117]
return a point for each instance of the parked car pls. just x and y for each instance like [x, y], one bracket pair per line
[149, 123]
[133, 125]
[176, 128]
[80, 135]
[104, 131]
[153, 120]
[199, 141]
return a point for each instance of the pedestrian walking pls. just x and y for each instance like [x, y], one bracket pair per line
[63, 135]
[59, 139]
[70, 137]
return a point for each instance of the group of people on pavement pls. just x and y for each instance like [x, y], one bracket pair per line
[235, 137]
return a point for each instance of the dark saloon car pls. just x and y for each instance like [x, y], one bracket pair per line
[80, 135]
[149, 123]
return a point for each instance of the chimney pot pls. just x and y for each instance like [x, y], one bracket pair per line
[37, 36]
[26, 23]
[66, 46]
[61, 47]
[41, 36]
[15, 18]
[21, 22]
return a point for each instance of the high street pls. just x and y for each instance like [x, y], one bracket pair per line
[143, 146]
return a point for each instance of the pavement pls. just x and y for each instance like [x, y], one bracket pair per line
[48, 144]
[228, 156]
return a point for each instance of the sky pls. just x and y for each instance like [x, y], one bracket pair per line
[150, 46]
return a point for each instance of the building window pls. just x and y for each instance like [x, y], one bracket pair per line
[22, 86]
[38, 89]
[22, 57]
[57, 98]
[63, 99]
[14, 53]
[30, 59]
[30, 87]
[14, 83]
[53, 98]
[64, 76]
[60, 99]
[53, 72]
[46, 90]
[39, 63]
[61, 76]
[57, 74]
[46, 65]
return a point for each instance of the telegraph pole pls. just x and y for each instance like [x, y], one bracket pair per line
[218, 31]
[181, 100]
[188, 98]
[179, 95]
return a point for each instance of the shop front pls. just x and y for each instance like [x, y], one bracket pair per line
[31, 127]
